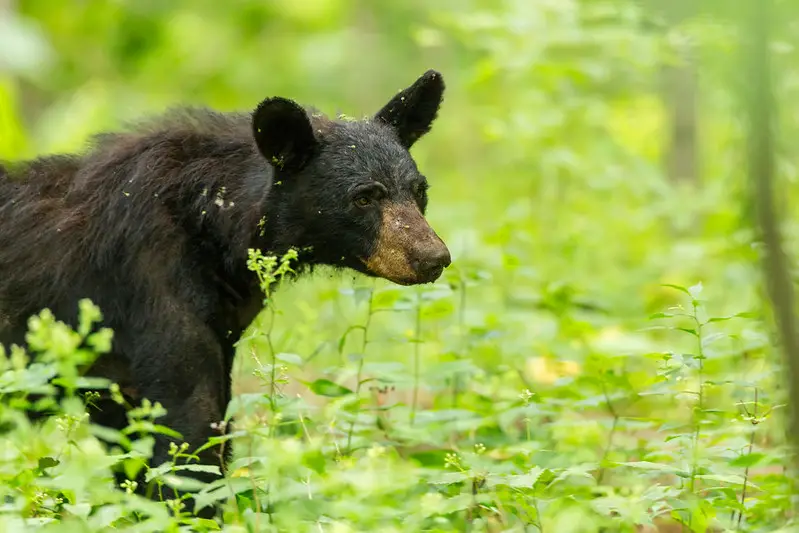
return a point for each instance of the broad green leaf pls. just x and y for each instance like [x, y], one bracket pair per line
[290, 358]
[194, 467]
[182, 483]
[677, 287]
[47, 462]
[325, 387]
[748, 460]
[653, 467]
[730, 317]
[728, 478]
[517, 481]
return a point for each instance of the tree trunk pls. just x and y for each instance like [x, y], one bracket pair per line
[679, 91]
[762, 115]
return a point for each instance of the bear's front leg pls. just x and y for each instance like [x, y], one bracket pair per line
[187, 374]
[195, 416]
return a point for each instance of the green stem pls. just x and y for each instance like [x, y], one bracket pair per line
[611, 435]
[699, 411]
[749, 452]
[456, 379]
[273, 373]
[370, 312]
[416, 342]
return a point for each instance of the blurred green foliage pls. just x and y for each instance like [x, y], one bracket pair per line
[527, 391]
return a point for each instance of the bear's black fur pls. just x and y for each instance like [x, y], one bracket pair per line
[153, 225]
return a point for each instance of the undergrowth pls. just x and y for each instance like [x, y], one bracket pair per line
[675, 424]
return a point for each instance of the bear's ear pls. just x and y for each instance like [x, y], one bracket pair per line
[412, 111]
[283, 133]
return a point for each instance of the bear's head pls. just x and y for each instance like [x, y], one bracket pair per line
[349, 190]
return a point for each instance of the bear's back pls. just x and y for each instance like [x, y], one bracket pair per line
[120, 213]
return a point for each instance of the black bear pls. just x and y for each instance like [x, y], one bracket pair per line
[153, 224]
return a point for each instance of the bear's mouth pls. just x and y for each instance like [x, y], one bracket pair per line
[406, 280]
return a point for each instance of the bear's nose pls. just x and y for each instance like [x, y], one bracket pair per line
[430, 267]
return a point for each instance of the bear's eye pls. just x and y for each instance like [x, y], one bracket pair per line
[362, 201]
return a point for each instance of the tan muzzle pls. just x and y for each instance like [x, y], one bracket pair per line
[408, 251]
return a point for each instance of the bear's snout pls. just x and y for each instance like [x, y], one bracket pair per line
[408, 251]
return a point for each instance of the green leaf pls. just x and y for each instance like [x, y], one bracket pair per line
[103, 516]
[246, 462]
[182, 483]
[290, 358]
[209, 469]
[316, 461]
[729, 478]
[91, 382]
[220, 490]
[110, 435]
[748, 460]
[216, 440]
[434, 458]
[745, 314]
[244, 501]
[518, 481]
[149, 427]
[325, 387]
[709, 339]
[47, 462]
[660, 315]
[446, 415]
[448, 478]
[652, 467]
[437, 310]
[206, 524]
[80, 509]
[386, 298]
[677, 287]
